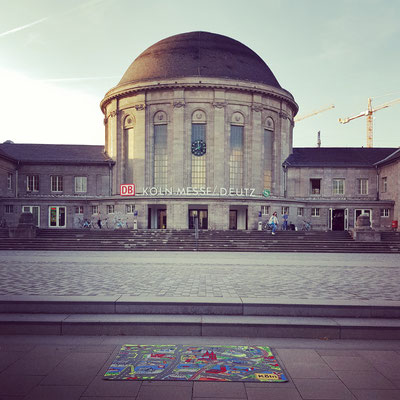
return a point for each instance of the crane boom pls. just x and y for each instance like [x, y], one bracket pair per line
[299, 118]
[369, 113]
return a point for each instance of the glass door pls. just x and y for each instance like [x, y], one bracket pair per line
[57, 217]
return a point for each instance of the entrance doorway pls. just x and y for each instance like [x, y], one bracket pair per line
[162, 218]
[233, 219]
[35, 211]
[338, 219]
[202, 216]
[157, 217]
[358, 212]
[57, 217]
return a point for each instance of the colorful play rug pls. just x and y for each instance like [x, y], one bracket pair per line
[196, 363]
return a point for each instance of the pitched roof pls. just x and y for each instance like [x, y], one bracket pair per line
[391, 158]
[55, 153]
[337, 156]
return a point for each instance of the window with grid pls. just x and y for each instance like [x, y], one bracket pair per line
[338, 186]
[267, 158]
[300, 211]
[315, 212]
[56, 183]
[236, 157]
[79, 210]
[9, 208]
[315, 186]
[264, 210]
[362, 184]
[198, 162]
[32, 183]
[129, 208]
[110, 209]
[384, 184]
[95, 210]
[80, 184]
[160, 155]
[385, 212]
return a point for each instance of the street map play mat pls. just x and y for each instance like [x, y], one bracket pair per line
[195, 363]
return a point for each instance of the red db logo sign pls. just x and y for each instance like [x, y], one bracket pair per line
[128, 189]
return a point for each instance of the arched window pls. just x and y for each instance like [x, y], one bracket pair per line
[129, 145]
[160, 164]
[268, 146]
[199, 149]
[236, 151]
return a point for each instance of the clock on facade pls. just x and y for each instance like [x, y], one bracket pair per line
[199, 148]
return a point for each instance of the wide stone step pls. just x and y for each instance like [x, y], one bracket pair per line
[125, 304]
[200, 325]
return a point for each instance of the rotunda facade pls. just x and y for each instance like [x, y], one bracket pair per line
[200, 125]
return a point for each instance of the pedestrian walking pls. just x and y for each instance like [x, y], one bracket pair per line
[273, 222]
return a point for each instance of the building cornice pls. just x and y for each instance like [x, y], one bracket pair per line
[249, 87]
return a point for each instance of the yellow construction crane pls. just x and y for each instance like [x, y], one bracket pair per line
[299, 118]
[368, 113]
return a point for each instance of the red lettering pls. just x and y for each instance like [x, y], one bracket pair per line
[127, 189]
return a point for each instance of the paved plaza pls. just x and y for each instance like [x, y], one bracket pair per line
[71, 367]
[190, 274]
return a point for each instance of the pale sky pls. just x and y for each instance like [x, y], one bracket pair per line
[59, 58]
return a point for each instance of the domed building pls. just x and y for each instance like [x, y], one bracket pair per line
[201, 126]
[198, 132]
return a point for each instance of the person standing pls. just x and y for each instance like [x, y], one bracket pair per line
[273, 222]
[285, 221]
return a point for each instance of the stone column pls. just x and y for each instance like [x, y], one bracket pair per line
[218, 216]
[139, 141]
[177, 155]
[256, 178]
[177, 215]
[218, 145]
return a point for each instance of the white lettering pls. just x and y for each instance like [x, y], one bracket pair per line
[180, 191]
[168, 191]
[145, 191]
[223, 191]
[153, 191]
[203, 190]
[252, 192]
[231, 191]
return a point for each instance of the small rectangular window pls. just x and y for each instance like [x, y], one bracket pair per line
[130, 208]
[315, 212]
[32, 183]
[338, 186]
[264, 210]
[384, 184]
[9, 208]
[385, 212]
[80, 184]
[315, 186]
[79, 210]
[300, 211]
[9, 180]
[95, 210]
[285, 210]
[56, 183]
[110, 209]
[362, 184]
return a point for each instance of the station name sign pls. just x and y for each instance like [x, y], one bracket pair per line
[129, 190]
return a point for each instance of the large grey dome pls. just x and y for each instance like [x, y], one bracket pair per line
[199, 54]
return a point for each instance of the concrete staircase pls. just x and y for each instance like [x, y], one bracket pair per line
[233, 317]
[184, 240]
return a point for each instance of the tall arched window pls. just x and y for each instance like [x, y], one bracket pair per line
[268, 151]
[160, 149]
[129, 145]
[198, 149]
[236, 151]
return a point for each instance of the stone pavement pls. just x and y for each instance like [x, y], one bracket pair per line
[71, 368]
[191, 274]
